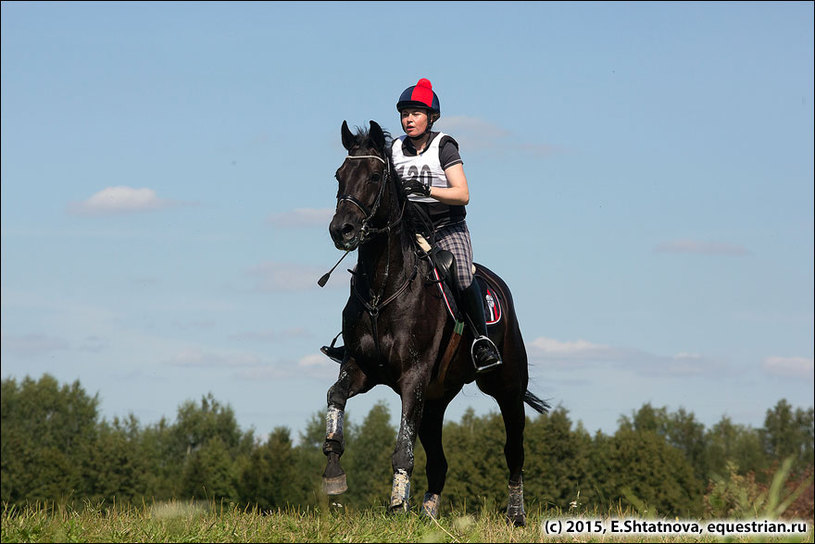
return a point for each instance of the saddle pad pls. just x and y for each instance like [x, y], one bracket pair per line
[490, 300]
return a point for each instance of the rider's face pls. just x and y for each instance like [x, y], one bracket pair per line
[414, 121]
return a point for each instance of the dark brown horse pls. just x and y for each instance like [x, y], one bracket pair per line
[398, 331]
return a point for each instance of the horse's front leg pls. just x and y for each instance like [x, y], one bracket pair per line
[351, 381]
[402, 461]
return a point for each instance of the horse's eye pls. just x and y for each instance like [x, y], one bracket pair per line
[375, 178]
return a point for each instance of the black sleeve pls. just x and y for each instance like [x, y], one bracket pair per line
[448, 152]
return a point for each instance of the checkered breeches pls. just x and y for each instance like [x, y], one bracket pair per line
[456, 239]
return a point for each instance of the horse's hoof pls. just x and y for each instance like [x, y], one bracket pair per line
[335, 486]
[518, 520]
[399, 507]
[430, 505]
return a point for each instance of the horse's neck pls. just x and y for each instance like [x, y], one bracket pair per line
[384, 264]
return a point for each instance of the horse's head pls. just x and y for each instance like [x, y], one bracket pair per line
[362, 196]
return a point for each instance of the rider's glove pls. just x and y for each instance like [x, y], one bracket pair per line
[416, 187]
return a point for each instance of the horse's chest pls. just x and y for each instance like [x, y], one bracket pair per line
[384, 334]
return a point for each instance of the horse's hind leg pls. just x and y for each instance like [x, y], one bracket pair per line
[512, 410]
[350, 382]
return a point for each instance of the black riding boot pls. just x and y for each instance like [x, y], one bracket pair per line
[484, 352]
[337, 354]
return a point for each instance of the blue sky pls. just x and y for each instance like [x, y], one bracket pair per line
[641, 175]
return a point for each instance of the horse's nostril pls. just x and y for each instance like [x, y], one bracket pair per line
[347, 231]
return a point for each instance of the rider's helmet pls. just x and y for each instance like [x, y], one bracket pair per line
[420, 95]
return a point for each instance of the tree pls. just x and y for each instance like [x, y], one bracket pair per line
[647, 418]
[46, 431]
[115, 467]
[477, 472]
[687, 434]
[196, 425]
[206, 443]
[557, 465]
[732, 447]
[269, 478]
[789, 433]
[369, 468]
[640, 469]
[209, 473]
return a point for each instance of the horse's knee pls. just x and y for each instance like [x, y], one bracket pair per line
[403, 460]
[337, 396]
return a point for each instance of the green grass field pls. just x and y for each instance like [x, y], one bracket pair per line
[201, 522]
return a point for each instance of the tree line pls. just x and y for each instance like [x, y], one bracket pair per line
[56, 449]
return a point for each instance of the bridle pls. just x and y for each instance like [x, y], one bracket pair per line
[365, 230]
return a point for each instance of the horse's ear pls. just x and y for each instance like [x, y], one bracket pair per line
[377, 136]
[348, 139]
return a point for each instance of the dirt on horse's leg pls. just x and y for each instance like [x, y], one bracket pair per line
[412, 403]
[350, 382]
[334, 482]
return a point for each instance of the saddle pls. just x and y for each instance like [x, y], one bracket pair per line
[443, 263]
[443, 273]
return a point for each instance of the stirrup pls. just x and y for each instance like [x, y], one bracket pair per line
[488, 366]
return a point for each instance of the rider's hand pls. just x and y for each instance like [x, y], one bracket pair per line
[416, 187]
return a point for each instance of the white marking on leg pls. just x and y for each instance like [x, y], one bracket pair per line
[333, 421]
[401, 488]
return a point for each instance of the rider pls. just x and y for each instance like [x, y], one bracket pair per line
[432, 174]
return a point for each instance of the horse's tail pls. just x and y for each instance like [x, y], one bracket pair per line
[540, 406]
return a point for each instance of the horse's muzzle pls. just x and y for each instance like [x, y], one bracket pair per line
[346, 235]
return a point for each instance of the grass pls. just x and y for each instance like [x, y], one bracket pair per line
[202, 522]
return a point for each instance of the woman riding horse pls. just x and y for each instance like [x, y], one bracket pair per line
[431, 171]
[398, 332]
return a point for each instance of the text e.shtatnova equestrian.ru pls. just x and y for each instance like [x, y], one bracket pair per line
[583, 526]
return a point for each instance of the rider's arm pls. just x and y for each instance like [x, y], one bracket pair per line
[458, 193]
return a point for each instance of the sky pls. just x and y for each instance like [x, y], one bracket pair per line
[641, 175]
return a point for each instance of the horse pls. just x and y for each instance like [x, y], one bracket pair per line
[398, 332]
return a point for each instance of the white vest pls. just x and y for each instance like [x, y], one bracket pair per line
[425, 166]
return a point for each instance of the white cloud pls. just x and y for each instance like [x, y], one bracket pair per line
[579, 348]
[794, 367]
[704, 248]
[582, 354]
[472, 126]
[120, 199]
[318, 365]
[474, 133]
[302, 217]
